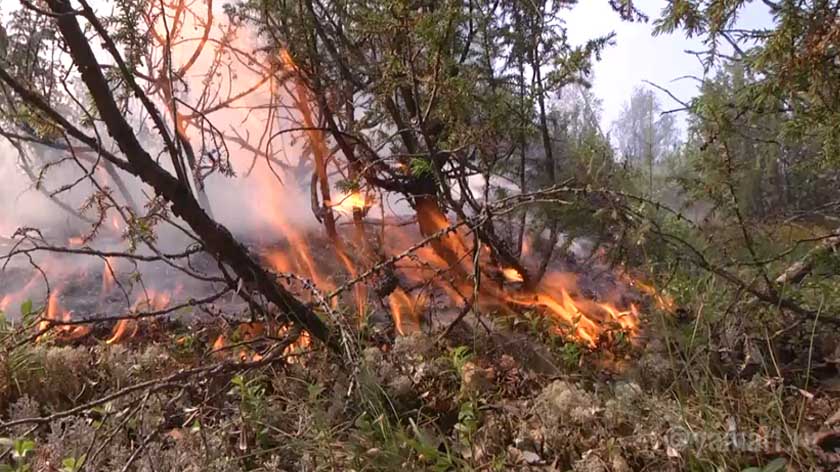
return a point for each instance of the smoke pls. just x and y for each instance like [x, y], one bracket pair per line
[25, 200]
[226, 91]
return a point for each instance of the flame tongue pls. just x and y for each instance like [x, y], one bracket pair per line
[55, 314]
[128, 328]
[512, 275]
[348, 203]
[405, 311]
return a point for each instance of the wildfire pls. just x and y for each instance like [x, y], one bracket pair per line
[107, 276]
[663, 300]
[405, 312]
[512, 275]
[449, 267]
[350, 202]
[445, 265]
[128, 328]
[55, 314]
[219, 343]
[251, 332]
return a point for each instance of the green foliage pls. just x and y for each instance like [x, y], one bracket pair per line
[347, 186]
[776, 465]
[72, 464]
[459, 356]
[570, 354]
[26, 309]
[428, 450]
[251, 393]
[421, 168]
[21, 448]
[468, 422]
[252, 403]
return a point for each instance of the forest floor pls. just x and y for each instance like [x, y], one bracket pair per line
[512, 397]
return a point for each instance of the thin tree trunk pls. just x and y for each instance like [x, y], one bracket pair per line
[522, 148]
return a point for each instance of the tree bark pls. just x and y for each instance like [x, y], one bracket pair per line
[801, 268]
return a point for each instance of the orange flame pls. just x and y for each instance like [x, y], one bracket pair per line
[448, 266]
[663, 301]
[512, 275]
[405, 311]
[127, 327]
[219, 343]
[120, 330]
[107, 276]
[350, 202]
[54, 314]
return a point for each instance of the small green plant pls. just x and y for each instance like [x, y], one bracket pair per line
[429, 451]
[570, 354]
[21, 448]
[185, 344]
[776, 465]
[467, 423]
[26, 309]
[72, 464]
[420, 167]
[251, 393]
[459, 357]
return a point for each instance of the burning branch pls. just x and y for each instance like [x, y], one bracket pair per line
[217, 239]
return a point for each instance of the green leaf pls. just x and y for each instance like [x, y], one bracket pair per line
[420, 167]
[22, 447]
[775, 465]
[26, 308]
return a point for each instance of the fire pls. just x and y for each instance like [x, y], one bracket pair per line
[252, 331]
[449, 267]
[446, 265]
[107, 277]
[219, 343]
[588, 320]
[128, 328]
[300, 345]
[121, 329]
[55, 314]
[512, 275]
[404, 311]
[350, 202]
[663, 300]
[20, 294]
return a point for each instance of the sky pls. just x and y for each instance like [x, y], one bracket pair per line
[638, 55]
